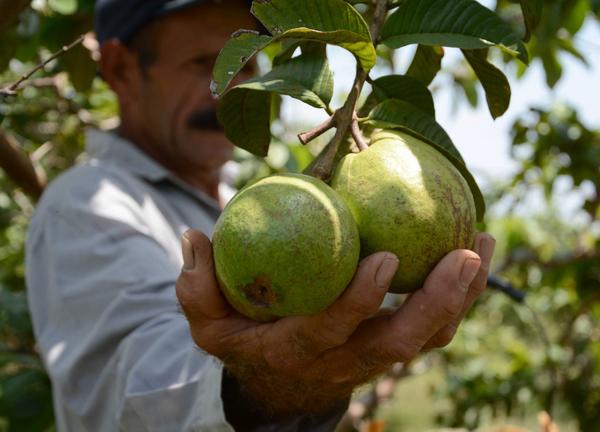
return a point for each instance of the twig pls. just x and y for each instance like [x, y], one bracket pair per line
[12, 89]
[322, 166]
[307, 137]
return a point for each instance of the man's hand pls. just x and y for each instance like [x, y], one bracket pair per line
[309, 363]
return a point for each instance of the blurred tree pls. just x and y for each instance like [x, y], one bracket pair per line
[545, 352]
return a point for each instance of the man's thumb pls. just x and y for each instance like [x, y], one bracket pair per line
[197, 287]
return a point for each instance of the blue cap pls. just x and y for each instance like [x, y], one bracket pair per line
[122, 19]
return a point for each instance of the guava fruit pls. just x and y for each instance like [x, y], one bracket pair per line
[285, 245]
[409, 199]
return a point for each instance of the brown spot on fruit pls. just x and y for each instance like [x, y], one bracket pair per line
[260, 293]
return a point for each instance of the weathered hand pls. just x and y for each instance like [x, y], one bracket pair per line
[308, 363]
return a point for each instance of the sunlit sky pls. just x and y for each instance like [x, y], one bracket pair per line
[483, 142]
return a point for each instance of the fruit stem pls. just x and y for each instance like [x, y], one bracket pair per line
[358, 136]
[345, 117]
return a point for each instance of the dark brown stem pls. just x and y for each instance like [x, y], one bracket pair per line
[307, 137]
[322, 166]
[381, 10]
[12, 89]
[19, 167]
[358, 136]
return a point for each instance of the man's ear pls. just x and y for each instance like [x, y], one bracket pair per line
[120, 69]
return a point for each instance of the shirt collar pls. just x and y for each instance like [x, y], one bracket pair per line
[114, 149]
[117, 150]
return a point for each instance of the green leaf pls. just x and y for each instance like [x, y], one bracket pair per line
[577, 15]
[80, 67]
[459, 23]
[532, 12]
[311, 70]
[64, 7]
[26, 400]
[363, 50]
[330, 21]
[467, 85]
[494, 82]
[568, 46]
[404, 88]
[245, 115]
[426, 63]
[395, 114]
[306, 77]
[234, 55]
[552, 66]
[289, 47]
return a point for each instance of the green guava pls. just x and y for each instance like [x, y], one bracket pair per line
[409, 199]
[285, 245]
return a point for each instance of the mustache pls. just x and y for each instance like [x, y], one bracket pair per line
[205, 119]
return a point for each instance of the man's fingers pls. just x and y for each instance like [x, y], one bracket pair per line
[197, 288]
[427, 310]
[360, 300]
[484, 247]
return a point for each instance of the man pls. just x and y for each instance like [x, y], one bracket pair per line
[104, 263]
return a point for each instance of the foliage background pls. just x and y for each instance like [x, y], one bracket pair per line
[509, 360]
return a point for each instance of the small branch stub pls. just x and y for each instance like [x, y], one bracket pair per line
[307, 137]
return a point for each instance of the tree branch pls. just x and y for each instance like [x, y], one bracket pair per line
[322, 166]
[14, 87]
[19, 167]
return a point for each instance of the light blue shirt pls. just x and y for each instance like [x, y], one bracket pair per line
[102, 257]
[103, 254]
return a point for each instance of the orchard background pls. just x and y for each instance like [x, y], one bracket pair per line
[509, 362]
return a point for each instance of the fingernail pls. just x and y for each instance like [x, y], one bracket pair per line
[188, 253]
[386, 271]
[486, 250]
[468, 272]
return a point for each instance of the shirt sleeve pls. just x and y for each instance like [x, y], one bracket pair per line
[101, 289]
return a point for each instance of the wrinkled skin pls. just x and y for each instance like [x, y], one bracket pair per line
[303, 364]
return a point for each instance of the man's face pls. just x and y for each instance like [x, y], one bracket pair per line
[175, 100]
